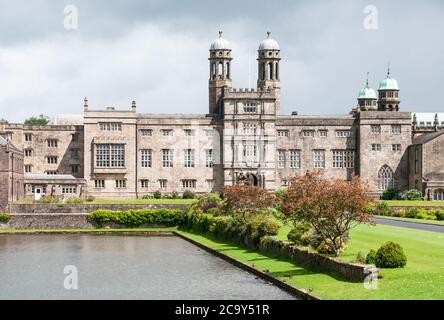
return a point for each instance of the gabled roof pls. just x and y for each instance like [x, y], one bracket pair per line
[427, 137]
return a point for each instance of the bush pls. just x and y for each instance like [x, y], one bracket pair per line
[439, 215]
[208, 202]
[390, 255]
[426, 214]
[391, 194]
[371, 257]
[326, 248]
[297, 233]
[360, 257]
[412, 195]
[49, 199]
[280, 192]
[383, 209]
[90, 199]
[136, 218]
[188, 194]
[261, 226]
[411, 213]
[74, 200]
[157, 195]
[4, 217]
[148, 196]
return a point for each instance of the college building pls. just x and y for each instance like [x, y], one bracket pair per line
[121, 153]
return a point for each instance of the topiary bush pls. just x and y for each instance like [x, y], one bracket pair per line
[4, 217]
[391, 194]
[371, 257]
[390, 255]
[157, 195]
[412, 195]
[439, 215]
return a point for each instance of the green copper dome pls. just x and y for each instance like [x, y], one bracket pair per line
[367, 93]
[388, 84]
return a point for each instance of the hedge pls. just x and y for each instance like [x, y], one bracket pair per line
[136, 218]
[4, 217]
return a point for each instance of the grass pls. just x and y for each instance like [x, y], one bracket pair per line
[435, 222]
[405, 203]
[422, 278]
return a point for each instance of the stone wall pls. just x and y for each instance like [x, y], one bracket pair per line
[83, 208]
[348, 271]
[54, 221]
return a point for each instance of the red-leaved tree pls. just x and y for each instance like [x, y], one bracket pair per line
[247, 200]
[330, 207]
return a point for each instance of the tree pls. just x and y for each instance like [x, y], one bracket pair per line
[247, 200]
[330, 207]
[41, 120]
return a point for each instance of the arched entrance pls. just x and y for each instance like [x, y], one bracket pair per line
[248, 177]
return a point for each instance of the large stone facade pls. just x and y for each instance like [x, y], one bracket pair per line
[126, 154]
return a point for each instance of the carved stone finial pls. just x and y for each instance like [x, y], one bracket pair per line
[85, 103]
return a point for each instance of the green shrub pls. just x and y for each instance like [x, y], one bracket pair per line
[411, 213]
[439, 215]
[148, 196]
[188, 194]
[412, 195]
[261, 226]
[399, 213]
[4, 217]
[90, 199]
[297, 233]
[390, 255]
[426, 214]
[360, 257]
[325, 248]
[48, 200]
[391, 194]
[74, 200]
[280, 192]
[174, 195]
[157, 195]
[383, 209]
[210, 202]
[371, 257]
[136, 218]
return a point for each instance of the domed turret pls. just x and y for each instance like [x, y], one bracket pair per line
[220, 43]
[388, 94]
[367, 98]
[220, 72]
[269, 43]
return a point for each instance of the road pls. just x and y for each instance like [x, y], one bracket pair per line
[412, 225]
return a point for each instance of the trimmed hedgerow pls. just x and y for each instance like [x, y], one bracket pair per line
[136, 218]
[4, 217]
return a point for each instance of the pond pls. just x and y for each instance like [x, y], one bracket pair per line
[121, 267]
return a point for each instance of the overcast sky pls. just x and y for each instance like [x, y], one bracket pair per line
[156, 52]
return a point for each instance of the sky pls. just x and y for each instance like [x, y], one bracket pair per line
[156, 52]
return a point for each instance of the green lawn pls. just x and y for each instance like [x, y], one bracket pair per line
[146, 201]
[404, 203]
[422, 278]
[436, 222]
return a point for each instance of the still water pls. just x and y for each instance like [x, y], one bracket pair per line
[114, 267]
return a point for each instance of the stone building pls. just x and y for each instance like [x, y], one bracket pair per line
[121, 153]
[11, 173]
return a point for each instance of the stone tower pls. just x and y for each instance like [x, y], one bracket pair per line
[367, 98]
[388, 94]
[268, 67]
[220, 73]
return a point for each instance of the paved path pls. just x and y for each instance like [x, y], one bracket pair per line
[408, 224]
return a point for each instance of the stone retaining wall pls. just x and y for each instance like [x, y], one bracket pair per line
[84, 208]
[47, 221]
[348, 271]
